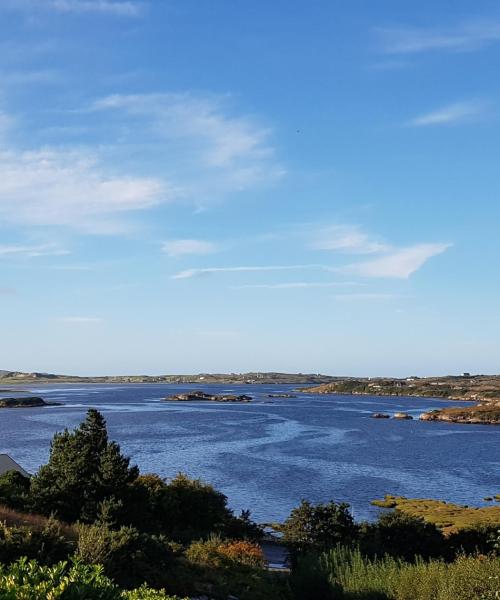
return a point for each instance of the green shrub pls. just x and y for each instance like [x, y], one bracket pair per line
[14, 490]
[27, 580]
[129, 557]
[47, 545]
[145, 593]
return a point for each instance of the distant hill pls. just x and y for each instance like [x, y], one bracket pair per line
[203, 378]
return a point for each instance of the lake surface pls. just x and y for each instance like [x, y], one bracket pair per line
[269, 454]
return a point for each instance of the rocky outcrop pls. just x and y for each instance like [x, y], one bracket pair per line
[198, 396]
[481, 414]
[381, 416]
[402, 416]
[30, 402]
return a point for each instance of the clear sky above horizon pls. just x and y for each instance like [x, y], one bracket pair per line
[219, 185]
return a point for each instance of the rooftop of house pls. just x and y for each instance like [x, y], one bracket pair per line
[8, 464]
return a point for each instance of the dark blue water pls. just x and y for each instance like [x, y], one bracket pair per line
[269, 454]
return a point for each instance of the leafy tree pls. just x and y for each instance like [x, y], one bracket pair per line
[193, 509]
[317, 527]
[401, 535]
[84, 469]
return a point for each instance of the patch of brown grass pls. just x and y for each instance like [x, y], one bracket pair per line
[15, 518]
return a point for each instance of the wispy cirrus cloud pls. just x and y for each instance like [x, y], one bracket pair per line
[229, 153]
[8, 291]
[80, 320]
[400, 263]
[31, 251]
[122, 8]
[183, 247]
[463, 37]
[459, 112]
[192, 150]
[348, 239]
[190, 273]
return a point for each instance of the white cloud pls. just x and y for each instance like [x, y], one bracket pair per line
[399, 263]
[184, 247]
[347, 239]
[56, 187]
[448, 115]
[8, 250]
[464, 37]
[200, 153]
[189, 273]
[124, 8]
[80, 320]
[227, 153]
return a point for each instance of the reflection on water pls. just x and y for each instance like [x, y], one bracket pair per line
[269, 454]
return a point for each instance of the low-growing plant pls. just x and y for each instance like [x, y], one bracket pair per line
[466, 578]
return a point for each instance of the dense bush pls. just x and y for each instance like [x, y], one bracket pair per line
[14, 490]
[129, 557]
[46, 544]
[318, 527]
[216, 552]
[402, 536]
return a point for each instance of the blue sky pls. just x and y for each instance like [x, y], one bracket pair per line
[211, 185]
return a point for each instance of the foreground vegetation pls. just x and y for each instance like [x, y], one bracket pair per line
[343, 573]
[89, 525]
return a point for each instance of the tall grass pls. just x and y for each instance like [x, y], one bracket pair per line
[467, 578]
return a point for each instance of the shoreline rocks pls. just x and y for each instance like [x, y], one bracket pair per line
[403, 416]
[381, 416]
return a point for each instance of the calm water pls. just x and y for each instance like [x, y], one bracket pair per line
[269, 454]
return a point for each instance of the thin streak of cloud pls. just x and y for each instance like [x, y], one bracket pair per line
[183, 247]
[8, 292]
[399, 264]
[451, 114]
[32, 251]
[190, 273]
[80, 320]
[465, 37]
[121, 8]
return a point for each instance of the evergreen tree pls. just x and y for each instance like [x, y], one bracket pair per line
[83, 471]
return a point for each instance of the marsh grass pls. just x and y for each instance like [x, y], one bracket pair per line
[467, 578]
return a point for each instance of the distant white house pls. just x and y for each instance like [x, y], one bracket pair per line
[8, 464]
